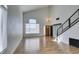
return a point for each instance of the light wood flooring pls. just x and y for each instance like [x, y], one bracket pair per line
[44, 45]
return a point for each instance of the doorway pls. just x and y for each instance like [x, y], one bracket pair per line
[48, 30]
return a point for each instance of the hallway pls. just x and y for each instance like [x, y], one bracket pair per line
[44, 45]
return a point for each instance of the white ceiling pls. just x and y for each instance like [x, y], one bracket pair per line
[26, 8]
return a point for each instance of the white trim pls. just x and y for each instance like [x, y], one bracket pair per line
[16, 45]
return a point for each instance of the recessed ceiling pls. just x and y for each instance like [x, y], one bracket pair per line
[26, 8]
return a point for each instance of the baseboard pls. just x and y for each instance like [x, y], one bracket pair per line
[3, 52]
[32, 36]
[16, 45]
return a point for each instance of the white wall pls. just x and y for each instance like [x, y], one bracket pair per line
[40, 15]
[14, 27]
[73, 32]
[64, 12]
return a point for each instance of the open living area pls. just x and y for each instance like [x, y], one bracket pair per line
[39, 29]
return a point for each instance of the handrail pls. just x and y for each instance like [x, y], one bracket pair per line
[69, 22]
[69, 18]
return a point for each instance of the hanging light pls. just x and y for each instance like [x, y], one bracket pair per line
[48, 19]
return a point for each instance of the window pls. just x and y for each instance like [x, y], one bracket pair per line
[31, 27]
[33, 21]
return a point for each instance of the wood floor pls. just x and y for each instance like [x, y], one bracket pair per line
[44, 45]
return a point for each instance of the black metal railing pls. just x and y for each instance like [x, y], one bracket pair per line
[72, 20]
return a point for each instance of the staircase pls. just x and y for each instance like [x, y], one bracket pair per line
[70, 22]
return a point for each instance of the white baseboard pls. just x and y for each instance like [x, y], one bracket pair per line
[16, 45]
